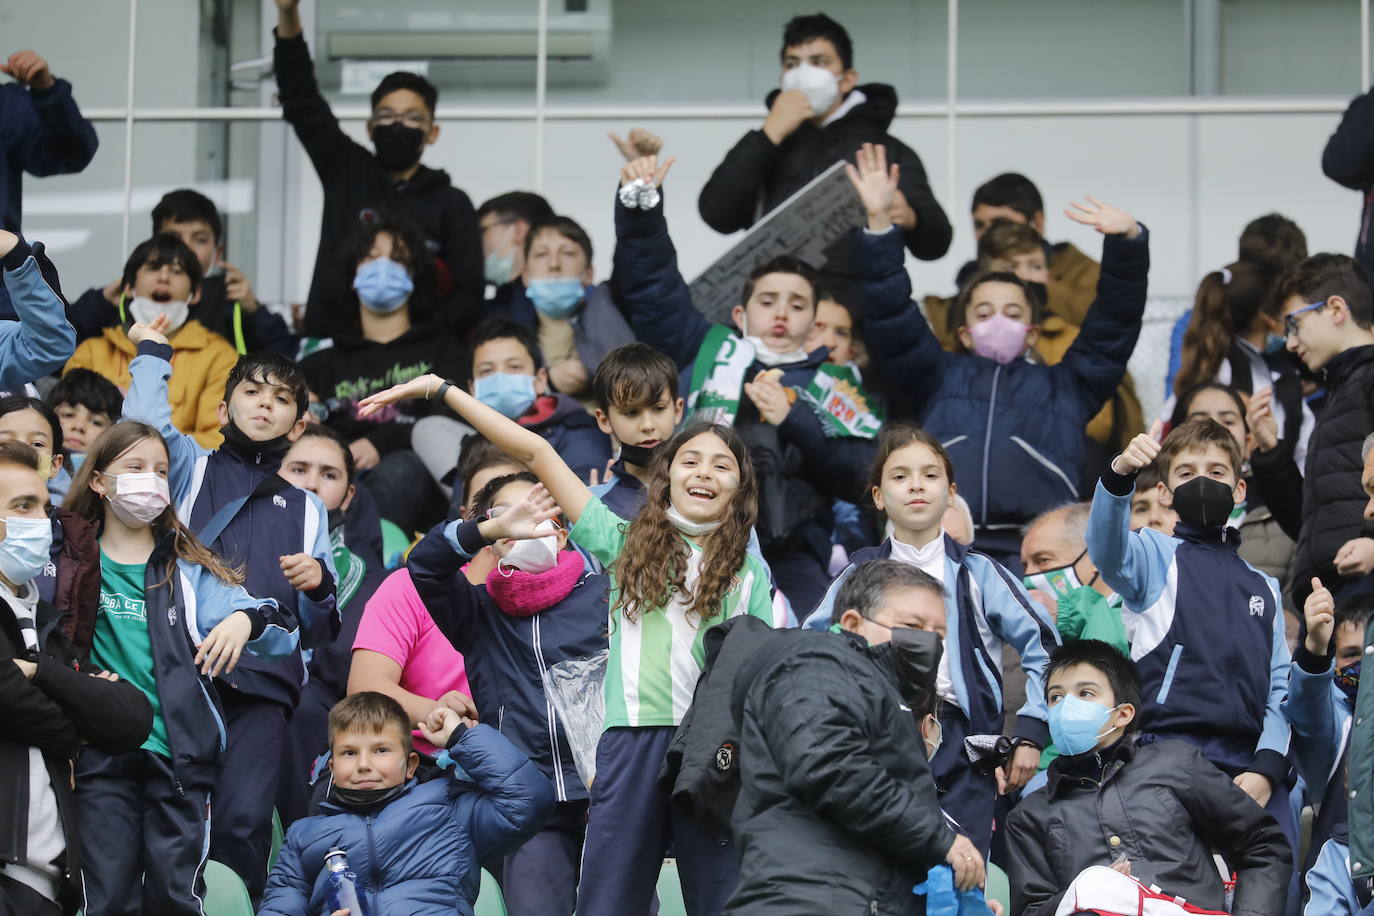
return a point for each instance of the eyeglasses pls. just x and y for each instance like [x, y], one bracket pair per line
[1290, 321]
[385, 117]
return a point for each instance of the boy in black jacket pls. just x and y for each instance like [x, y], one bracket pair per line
[821, 113]
[51, 705]
[1151, 809]
[356, 181]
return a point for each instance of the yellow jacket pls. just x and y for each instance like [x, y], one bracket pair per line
[201, 362]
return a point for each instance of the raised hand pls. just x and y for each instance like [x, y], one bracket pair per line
[220, 651]
[521, 521]
[30, 69]
[1319, 610]
[647, 168]
[875, 182]
[639, 144]
[1105, 218]
[1259, 415]
[156, 331]
[422, 386]
[1141, 452]
[790, 110]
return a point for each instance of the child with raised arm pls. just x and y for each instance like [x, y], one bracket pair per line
[172, 617]
[42, 339]
[1206, 627]
[1013, 427]
[679, 567]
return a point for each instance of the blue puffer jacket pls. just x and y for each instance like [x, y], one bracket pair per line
[506, 654]
[1014, 432]
[420, 855]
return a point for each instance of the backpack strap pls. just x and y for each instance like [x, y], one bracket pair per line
[211, 530]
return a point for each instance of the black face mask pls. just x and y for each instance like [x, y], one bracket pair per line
[1203, 502]
[236, 436]
[398, 147]
[638, 455]
[912, 658]
[364, 801]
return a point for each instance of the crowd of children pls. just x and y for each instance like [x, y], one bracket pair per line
[257, 567]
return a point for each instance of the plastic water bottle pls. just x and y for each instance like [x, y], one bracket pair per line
[943, 900]
[344, 892]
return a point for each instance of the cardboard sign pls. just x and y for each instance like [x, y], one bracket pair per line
[804, 226]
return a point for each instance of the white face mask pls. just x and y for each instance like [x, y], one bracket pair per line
[535, 555]
[138, 498]
[145, 310]
[820, 86]
[689, 527]
[764, 354]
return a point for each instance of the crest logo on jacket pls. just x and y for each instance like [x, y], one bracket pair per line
[1256, 606]
[725, 757]
[278, 501]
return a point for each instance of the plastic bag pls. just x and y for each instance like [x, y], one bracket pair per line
[575, 688]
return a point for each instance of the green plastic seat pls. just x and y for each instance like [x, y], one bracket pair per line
[670, 901]
[277, 836]
[394, 544]
[999, 888]
[489, 899]
[225, 894]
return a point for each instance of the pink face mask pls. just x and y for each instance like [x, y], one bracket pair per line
[1000, 338]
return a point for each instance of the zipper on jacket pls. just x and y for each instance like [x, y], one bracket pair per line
[538, 645]
[372, 854]
[987, 439]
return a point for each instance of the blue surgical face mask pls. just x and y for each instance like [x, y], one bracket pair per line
[383, 285]
[510, 395]
[499, 268]
[24, 551]
[1076, 725]
[556, 297]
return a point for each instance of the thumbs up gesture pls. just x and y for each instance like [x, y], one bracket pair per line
[1320, 612]
[1141, 452]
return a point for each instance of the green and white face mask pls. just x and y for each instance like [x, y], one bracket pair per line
[1058, 581]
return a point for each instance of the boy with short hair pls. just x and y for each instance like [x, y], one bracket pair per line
[419, 844]
[509, 375]
[1153, 810]
[357, 180]
[1207, 628]
[235, 502]
[87, 403]
[577, 322]
[1146, 509]
[754, 374]
[505, 221]
[1329, 325]
[227, 304]
[637, 407]
[163, 277]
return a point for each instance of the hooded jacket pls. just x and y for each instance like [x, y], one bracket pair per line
[202, 361]
[1207, 634]
[42, 133]
[837, 810]
[793, 512]
[62, 708]
[506, 655]
[986, 609]
[356, 185]
[263, 329]
[1348, 160]
[41, 340]
[756, 175]
[1163, 807]
[266, 528]
[421, 854]
[1014, 431]
[354, 367]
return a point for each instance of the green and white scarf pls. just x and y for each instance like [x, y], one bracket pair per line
[835, 393]
[350, 568]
